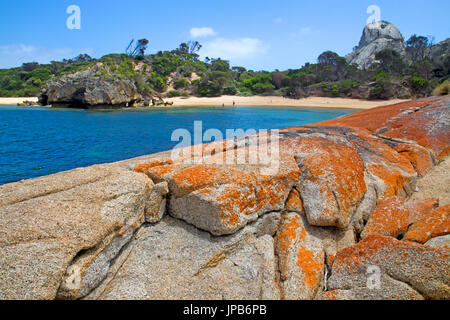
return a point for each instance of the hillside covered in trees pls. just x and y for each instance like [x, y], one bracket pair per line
[414, 72]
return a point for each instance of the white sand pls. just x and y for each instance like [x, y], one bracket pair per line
[312, 102]
[15, 101]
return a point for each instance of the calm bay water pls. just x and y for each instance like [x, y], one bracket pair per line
[40, 141]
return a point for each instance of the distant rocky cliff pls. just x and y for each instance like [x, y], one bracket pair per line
[383, 35]
[155, 227]
[375, 38]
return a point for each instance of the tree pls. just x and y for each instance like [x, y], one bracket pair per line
[194, 47]
[220, 65]
[416, 46]
[188, 51]
[390, 61]
[82, 58]
[30, 66]
[330, 58]
[137, 50]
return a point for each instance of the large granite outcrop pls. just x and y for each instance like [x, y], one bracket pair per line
[87, 89]
[285, 226]
[376, 37]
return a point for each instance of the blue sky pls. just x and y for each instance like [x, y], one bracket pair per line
[257, 34]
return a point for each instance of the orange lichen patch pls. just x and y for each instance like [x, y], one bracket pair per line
[377, 118]
[394, 179]
[389, 218]
[436, 224]
[294, 203]
[330, 295]
[311, 268]
[335, 170]
[421, 209]
[428, 127]
[201, 176]
[362, 253]
[144, 167]
[158, 172]
[288, 233]
[418, 156]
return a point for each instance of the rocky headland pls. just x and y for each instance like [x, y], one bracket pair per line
[339, 219]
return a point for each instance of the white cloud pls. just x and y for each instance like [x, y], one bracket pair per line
[305, 31]
[242, 48]
[279, 20]
[13, 55]
[202, 32]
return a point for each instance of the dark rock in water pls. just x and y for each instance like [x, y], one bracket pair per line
[86, 89]
[27, 103]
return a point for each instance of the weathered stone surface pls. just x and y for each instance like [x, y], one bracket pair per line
[302, 251]
[329, 169]
[424, 122]
[421, 209]
[376, 37]
[82, 233]
[389, 218]
[442, 241]
[294, 203]
[424, 269]
[173, 260]
[436, 224]
[86, 89]
[222, 199]
[419, 157]
[55, 224]
[156, 205]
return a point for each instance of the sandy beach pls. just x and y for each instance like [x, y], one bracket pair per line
[311, 102]
[14, 101]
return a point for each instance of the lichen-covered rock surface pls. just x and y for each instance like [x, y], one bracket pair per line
[313, 212]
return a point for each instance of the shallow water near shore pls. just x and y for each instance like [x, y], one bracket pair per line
[40, 141]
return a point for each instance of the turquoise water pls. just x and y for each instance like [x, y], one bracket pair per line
[40, 141]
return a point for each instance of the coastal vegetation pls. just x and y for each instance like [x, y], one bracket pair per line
[180, 72]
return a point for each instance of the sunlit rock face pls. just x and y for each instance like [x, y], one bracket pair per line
[157, 227]
[375, 38]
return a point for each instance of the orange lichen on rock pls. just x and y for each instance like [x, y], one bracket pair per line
[389, 218]
[294, 203]
[393, 179]
[421, 209]
[427, 126]
[144, 167]
[331, 177]
[436, 224]
[301, 257]
[418, 156]
[310, 265]
[377, 118]
[288, 233]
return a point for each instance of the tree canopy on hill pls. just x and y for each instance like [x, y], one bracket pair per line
[180, 72]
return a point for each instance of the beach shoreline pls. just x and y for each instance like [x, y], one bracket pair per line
[254, 101]
[276, 101]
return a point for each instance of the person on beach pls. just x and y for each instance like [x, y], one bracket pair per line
[234, 104]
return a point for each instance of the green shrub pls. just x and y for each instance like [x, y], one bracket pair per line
[230, 90]
[176, 93]
[442, 89]
[181, 83]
